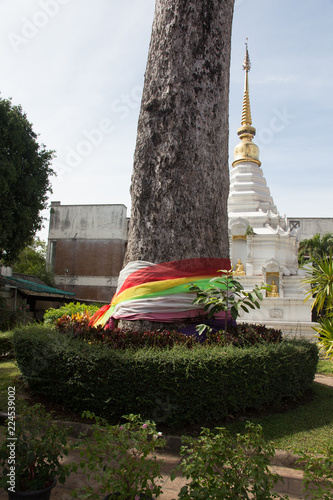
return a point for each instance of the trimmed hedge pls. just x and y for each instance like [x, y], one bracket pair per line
[177, 386]
[6, 345]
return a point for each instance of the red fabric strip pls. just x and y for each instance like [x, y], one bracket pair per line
[98, 314]
[176, 269]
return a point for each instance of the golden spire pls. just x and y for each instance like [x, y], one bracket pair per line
[246, 149]
[246, 111]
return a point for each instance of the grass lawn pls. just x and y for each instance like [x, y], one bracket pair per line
[325, 366]
[307, 426]
[9, 373]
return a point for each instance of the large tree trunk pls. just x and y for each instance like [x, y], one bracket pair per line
[180, 180]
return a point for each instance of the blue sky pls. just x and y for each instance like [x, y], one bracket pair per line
[77, 69]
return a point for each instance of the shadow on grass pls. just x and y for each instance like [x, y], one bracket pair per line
[308, 426]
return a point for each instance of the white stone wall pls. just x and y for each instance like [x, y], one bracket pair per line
[288, 307]
[6, 271]
[279, 309]
[291, 329]
[100, 281]
[263, 247]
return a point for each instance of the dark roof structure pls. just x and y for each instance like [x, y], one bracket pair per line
[32, 286]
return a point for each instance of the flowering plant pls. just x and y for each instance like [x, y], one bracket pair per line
[221, 465]
[77, 326]
[121, 459]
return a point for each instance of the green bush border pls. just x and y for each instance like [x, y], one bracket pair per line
[177, 386]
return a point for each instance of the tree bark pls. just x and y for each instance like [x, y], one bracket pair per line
[180, 179]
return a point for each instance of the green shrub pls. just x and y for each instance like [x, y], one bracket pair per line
[51, 315]
[178, 386]
[245, 334]
[219, 465]
[8, 318]
[318, 474]
[6, 345]
[78, 327]
[121, 459]
[40, 444]
[225, 293]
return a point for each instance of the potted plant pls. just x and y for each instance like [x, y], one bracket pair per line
[121, 459]
[30, 454]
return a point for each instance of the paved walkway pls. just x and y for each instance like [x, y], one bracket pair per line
[291, 485]
[170, 488]
[324, 379]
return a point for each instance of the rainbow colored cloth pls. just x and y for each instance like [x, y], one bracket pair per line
[159, 292]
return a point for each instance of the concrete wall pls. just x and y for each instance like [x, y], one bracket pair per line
[93, 222]
[89, 257]
[86, 248]
[307, 227]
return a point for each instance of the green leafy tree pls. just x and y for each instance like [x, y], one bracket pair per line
[24, 180]
[226, 293]
[315, 248]
[32, 260]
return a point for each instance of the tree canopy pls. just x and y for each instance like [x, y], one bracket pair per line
[315, 248]
[32, 260]
[24, 180]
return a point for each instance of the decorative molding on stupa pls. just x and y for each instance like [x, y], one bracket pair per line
[249, 195]
[259, 236]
